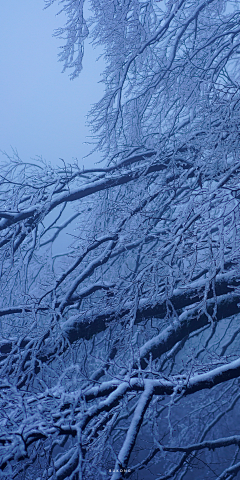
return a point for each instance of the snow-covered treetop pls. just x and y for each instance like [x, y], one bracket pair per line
[167, 64]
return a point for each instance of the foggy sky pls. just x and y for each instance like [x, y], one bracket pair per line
[43, 113]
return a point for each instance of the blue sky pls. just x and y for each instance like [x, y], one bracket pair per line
[43, 113]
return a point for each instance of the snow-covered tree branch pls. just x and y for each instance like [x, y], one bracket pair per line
[119, 352]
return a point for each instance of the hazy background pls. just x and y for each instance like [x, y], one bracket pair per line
[42, 112]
